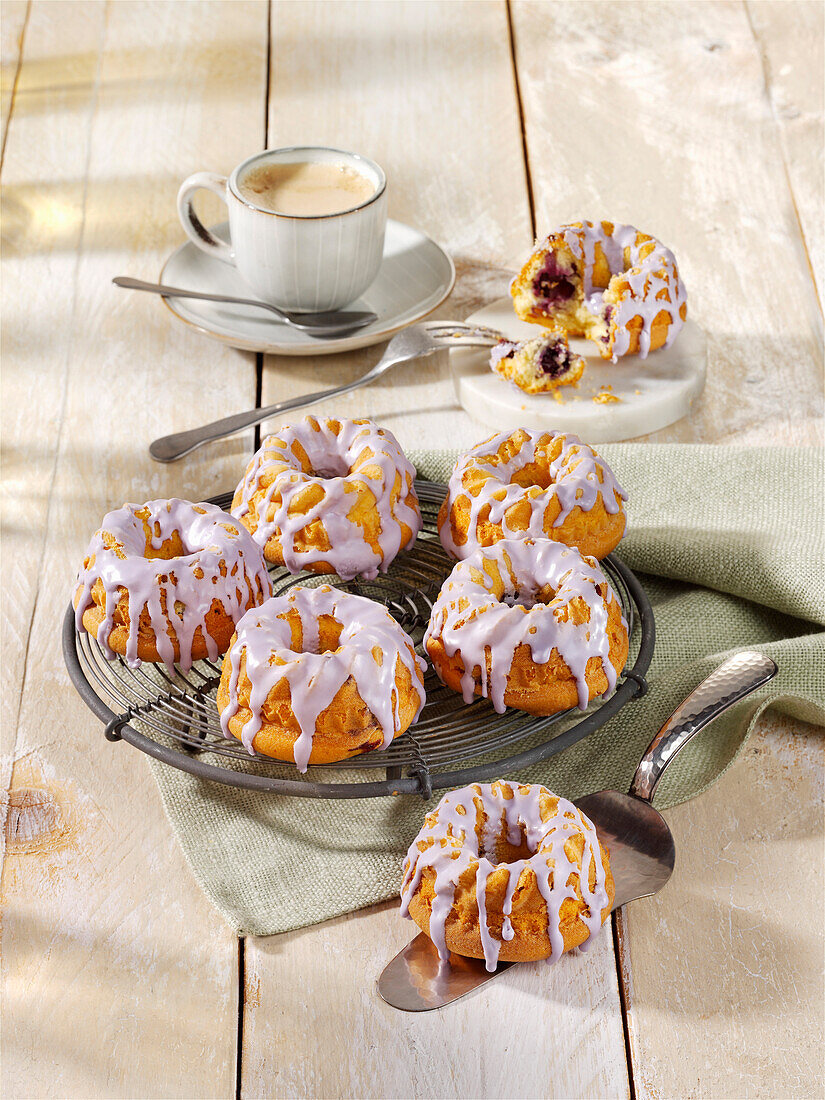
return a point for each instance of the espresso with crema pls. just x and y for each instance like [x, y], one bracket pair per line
[305, 189]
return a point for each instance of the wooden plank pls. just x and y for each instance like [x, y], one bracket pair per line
[13, 15]
[725, 987]
[118, 977]
[791, 40]
[536, 1031]
[42, 228]
[655, 114]
[427, 90]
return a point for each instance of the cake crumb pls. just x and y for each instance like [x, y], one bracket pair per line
[605, 396]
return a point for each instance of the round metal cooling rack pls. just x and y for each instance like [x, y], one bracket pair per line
[175, 719]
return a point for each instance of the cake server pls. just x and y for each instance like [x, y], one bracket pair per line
[642, 852]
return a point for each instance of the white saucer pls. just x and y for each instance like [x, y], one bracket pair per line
[415, 277]
[652, 392]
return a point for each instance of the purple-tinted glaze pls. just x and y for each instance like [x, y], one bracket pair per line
[332, 455]
[220, 562]
[578, 477]
[483, 630]
[504, 350]
[265, 639]
[462, 833]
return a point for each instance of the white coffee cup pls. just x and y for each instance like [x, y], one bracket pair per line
[305, 263]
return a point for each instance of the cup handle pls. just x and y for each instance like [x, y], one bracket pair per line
[195, 229]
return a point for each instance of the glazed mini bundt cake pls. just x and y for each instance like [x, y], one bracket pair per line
[319, 675]
[167, 581]
[507, 872]
[537, 365]
[529, 624]
[611, 283]
[532, 484]
[330, 496]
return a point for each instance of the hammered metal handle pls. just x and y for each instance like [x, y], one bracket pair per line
[733, 680]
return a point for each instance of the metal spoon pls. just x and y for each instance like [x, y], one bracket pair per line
[642, 852]
[314, 324]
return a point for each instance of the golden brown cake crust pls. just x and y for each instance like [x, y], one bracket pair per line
[538, 688]
[345, 728]
[216, 622]
[529, 917]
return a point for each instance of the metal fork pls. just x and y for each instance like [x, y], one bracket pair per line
[411, 343]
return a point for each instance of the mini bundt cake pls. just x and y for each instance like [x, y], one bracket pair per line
[532, 484]
[167, 581]
[330, 496]
[529, 624]
[507, 872]
[611, 283]
[319, 675]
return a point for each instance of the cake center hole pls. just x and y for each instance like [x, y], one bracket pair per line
[330, 466]
[518, 599]
[325, 639]
[528, 598]
[173, 547]
[509, 846]
[534, 473]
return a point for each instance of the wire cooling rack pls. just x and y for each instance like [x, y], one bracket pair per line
[174, 717]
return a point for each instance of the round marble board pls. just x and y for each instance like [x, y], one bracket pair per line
[649, 393]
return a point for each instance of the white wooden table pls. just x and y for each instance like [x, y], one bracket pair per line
[701, 123]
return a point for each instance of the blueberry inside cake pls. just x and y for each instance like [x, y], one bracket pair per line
[537, 365]
[551, 290]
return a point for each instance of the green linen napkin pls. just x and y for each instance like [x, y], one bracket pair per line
[728, 543]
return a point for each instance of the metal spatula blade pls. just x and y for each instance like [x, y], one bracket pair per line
[641, 847]
[642, 852]
[416, 980]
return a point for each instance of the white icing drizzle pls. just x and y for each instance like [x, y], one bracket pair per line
[449, 844]
[578, 477]
[653, 279]
[221, 562]
[265, 638]
[470, 619]
[347, 458]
